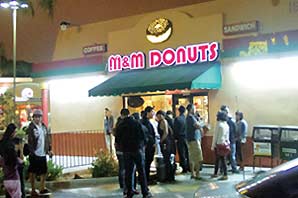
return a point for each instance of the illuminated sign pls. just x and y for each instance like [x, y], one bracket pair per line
[241, 28]
[190, 54]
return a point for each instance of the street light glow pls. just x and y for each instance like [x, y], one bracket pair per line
[4, 5]
[14, 5]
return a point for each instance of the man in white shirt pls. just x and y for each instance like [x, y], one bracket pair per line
[39, 144]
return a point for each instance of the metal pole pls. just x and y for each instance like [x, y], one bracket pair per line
[14, 18]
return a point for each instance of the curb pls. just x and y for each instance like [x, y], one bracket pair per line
[76, 183]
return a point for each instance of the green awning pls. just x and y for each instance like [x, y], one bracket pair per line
[199, 76]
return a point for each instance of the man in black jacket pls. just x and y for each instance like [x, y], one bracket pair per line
[150, 137]
[180, 136]
[131, 137]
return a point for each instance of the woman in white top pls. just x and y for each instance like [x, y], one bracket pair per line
[220, 137]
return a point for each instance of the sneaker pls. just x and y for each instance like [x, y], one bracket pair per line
[235, 171]
[135, 192]
[214, 176]
[149, 195]
[34, 193]
[225, 177]
[44, 191]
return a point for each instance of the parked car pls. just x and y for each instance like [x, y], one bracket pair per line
[281, 181]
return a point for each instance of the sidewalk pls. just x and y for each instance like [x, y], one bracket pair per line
[108, 187]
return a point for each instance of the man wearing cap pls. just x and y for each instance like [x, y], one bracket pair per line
[150, 140]
[39, 143]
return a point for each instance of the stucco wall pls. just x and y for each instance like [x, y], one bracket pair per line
[192, 24]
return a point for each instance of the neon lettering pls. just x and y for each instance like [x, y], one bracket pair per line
[155, 58]
[137, 60]
[203, 49]
[181, 56]
[192, 54]
[213, 51]
[169, 56]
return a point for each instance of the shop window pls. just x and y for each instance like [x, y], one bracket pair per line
[159, 102]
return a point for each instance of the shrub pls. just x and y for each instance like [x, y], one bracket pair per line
[54, 171]
[104, 166]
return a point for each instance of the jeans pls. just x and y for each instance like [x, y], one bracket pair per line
[131, 159]
[183, 153]
[109, 142]
[233, 156]
[121, 170]
[220, 162]
[149, 156]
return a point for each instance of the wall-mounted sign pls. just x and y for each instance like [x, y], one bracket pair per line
[192, 54]
[241, 28]
[262, 44]
[159, 30]
[95, 49]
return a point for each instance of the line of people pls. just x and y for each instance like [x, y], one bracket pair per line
[228, 140]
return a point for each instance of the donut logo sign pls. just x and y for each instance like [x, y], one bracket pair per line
[190, 54]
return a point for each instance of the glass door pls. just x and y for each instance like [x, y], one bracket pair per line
[200, 101]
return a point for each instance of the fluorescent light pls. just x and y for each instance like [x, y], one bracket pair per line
[24, 5]
[4, 5]
[274, 73]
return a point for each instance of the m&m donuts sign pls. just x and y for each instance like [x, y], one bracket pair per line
[190, 54]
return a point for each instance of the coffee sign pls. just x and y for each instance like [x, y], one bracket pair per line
[241, 28]
[95, 49]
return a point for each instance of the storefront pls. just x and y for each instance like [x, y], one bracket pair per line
[255, 73]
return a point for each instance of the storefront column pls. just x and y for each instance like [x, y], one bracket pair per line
[45, 103]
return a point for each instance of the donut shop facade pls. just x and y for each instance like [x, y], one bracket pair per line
[195, 63]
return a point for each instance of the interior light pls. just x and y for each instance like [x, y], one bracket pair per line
[4, 5]
[263, 74]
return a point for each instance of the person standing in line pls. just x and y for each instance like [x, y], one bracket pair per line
[232, 138]
[180, 136]
[194, 144]
[108, 127]
[39, 143]
[220, 137]
[241, 133]
[131, 137]
[10, 163]
[150, 140]
[166, 145]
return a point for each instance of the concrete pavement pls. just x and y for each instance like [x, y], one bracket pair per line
[183, 187]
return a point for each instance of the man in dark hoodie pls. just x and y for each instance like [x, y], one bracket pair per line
[131, 137]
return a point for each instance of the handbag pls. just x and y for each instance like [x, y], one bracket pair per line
[223, 149]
